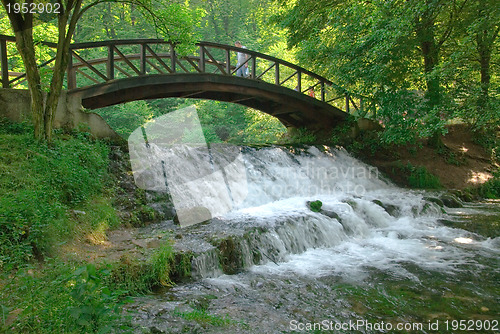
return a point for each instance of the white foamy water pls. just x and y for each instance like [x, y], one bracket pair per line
[367, 223]
[364, 237]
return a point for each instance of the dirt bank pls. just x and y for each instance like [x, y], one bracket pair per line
[461, 164]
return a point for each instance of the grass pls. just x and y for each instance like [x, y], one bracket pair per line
[420, 178]
[42, 188]
[52, 195]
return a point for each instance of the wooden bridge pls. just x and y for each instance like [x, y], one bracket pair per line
[117, 71]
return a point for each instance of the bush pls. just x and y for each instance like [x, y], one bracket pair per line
[61, 299]
[420, 178]
[491, 188]
[39, 185]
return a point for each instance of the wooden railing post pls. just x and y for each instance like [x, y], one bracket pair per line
[323, 93]
[228, 62]
[173, 58]
[71, 71]
[4, 64]
[254, 67]
[347, 103]
[277, 73]
[143, 59]
[110, 65]
[201, 64]
[299, 82]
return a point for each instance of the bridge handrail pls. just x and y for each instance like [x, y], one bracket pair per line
[277, 63]
[115, 42]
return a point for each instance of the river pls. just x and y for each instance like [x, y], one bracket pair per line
[375, 258]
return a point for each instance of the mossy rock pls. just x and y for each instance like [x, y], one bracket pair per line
[451, 201]
[230, 258]
[389, 208]
[434, 200]
[181, 270]
[314, 206]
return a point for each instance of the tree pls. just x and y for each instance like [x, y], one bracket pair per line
[43, 106]
[43, 109]
[486, 28]
[379, 48]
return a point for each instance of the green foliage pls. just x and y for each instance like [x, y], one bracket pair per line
[491, 188]
[404, 117]
[204, 318]
[302, 136]
[127, 117]
[40, 185]
[413, 58]
[61, 299]
[96, 307]
[420, 178]
[316, 206]
[163, 265]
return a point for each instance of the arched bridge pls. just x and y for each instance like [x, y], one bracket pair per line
[117, 71]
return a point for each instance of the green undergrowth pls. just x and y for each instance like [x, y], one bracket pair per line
[78, 297]
[54, 195]
[491, 188]
[48, 193]
[417, 177]
[61, 298]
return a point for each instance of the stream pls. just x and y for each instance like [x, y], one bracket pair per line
[374, 258]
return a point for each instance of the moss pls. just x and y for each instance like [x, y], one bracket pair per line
[315, 206]
[230, 257]
[181, 270]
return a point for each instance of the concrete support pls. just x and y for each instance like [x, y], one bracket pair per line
[15, 105]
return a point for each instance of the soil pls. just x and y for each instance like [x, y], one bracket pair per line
[460, 164]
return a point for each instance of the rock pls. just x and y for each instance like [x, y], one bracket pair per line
[389, 208]
[451, 201]
[230, 258]
[330, 214]
[191, 216]
[446, 222]
[140, 243]
[155, 330]
[314, 206]
[463, 195]
[155, 243]
[434, 200]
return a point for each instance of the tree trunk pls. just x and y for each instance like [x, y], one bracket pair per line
[484, 60]
[26, 48]
[485, 39]
[426, 37]
[60, 64]
[430, 53]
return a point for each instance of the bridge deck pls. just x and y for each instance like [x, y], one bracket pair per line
[111, 72]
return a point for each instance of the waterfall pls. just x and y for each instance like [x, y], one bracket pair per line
[262, 220]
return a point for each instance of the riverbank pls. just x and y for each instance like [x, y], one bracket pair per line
[461, 164]
[73, 237]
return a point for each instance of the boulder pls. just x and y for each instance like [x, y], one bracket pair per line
[451, 201]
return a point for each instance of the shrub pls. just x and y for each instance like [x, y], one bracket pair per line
[40, 184]
[491, 188]
[421, 178]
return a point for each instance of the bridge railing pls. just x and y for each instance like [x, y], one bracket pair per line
[93, 63]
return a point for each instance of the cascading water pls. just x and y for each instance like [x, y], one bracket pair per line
[365, 227]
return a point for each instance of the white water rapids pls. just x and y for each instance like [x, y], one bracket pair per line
[367, 223]
[266, 260]
[365, 236]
